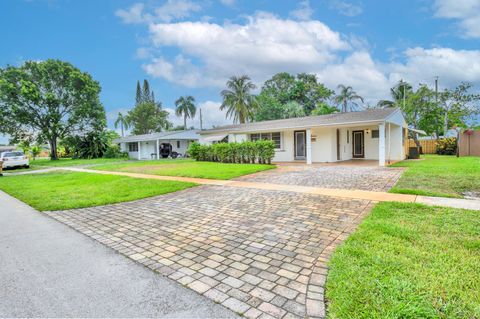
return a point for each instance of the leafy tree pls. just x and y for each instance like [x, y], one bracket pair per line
[283, 88]
[185, 106]
[399, 94]
[35, 150]
[347, 97]
[458, 105]
[123, 122]
[147, 118]
[47, 101]
[237, 99]
[324, 109]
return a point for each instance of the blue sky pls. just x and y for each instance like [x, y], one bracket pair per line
[193, 46]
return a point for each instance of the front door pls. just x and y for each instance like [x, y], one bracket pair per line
[300, 141]
[358, 144]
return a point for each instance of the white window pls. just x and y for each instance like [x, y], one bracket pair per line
[133, 147]
[276, 137]
[375, 133]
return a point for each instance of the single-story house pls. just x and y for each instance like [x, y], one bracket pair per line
[374, 134]
[153, 146]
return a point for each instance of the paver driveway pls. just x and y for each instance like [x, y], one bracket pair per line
[369, 178]
[258, 252]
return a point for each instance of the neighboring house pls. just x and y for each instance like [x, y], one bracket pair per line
[376, 134]
[150, 146]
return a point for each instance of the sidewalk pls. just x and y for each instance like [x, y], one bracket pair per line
[50, 270]
[344, 193]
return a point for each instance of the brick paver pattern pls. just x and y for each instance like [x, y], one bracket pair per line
[261, 253]
[377, 179]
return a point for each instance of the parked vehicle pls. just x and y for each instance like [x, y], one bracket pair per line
[14, 159]
[166, 151]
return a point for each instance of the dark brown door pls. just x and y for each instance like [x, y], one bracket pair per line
[358, 139]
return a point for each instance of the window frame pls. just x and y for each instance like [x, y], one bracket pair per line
[268, 136]
[132, 147]
[377, 134]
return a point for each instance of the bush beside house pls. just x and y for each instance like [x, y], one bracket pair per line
[261, 152]
[446, 146]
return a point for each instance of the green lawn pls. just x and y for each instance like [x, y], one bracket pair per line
[445, 176]
[186, 168]
[62, 190]
[73, 162]
[408, 261]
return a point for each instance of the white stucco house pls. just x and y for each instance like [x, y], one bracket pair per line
[376, 134]
[157, 145]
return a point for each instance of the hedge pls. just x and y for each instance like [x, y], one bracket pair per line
[446, 146]
[261, 152]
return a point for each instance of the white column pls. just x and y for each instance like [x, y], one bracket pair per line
[158, 151]
[309, 146]
[139, 150]
[381, 144]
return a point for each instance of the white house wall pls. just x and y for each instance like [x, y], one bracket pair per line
[147, 148]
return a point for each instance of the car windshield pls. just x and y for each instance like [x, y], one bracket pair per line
[12, 154]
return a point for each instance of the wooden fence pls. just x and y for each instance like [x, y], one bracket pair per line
[469, 144]
[428, 146]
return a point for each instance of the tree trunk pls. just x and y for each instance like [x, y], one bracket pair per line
[445, 124]
[185, 122]
[53, 149]
[121, 125]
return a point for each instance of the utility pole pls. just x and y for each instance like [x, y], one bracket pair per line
[436, 104]
[201, 122]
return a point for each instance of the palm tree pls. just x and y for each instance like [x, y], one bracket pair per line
[237, 99]
[399, 93]
[347, 95]
[123, 121]
[185, 106]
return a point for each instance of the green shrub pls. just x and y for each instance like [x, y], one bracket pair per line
[114, 151]
[261, 151]
[446, 146]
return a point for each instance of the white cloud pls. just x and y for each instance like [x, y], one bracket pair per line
[265, 44]
[467, 12]
[210, 53]
[169, 11]
[304, 11]
[346, 8]
[452, 66]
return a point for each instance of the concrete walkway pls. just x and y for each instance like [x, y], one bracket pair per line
[50, 270]
[343, 193]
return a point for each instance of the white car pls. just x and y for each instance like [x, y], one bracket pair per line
[14, 159]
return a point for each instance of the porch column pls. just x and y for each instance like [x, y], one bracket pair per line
[157, 151]
[309, 146]
[139, 151]
[381, 144]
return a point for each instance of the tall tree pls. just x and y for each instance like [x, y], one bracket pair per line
[185, 106]
[146, 95]
[123, 122]
[138, 95]
[48, 101]
[347, 97]
[238, 100]
[147, 118]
